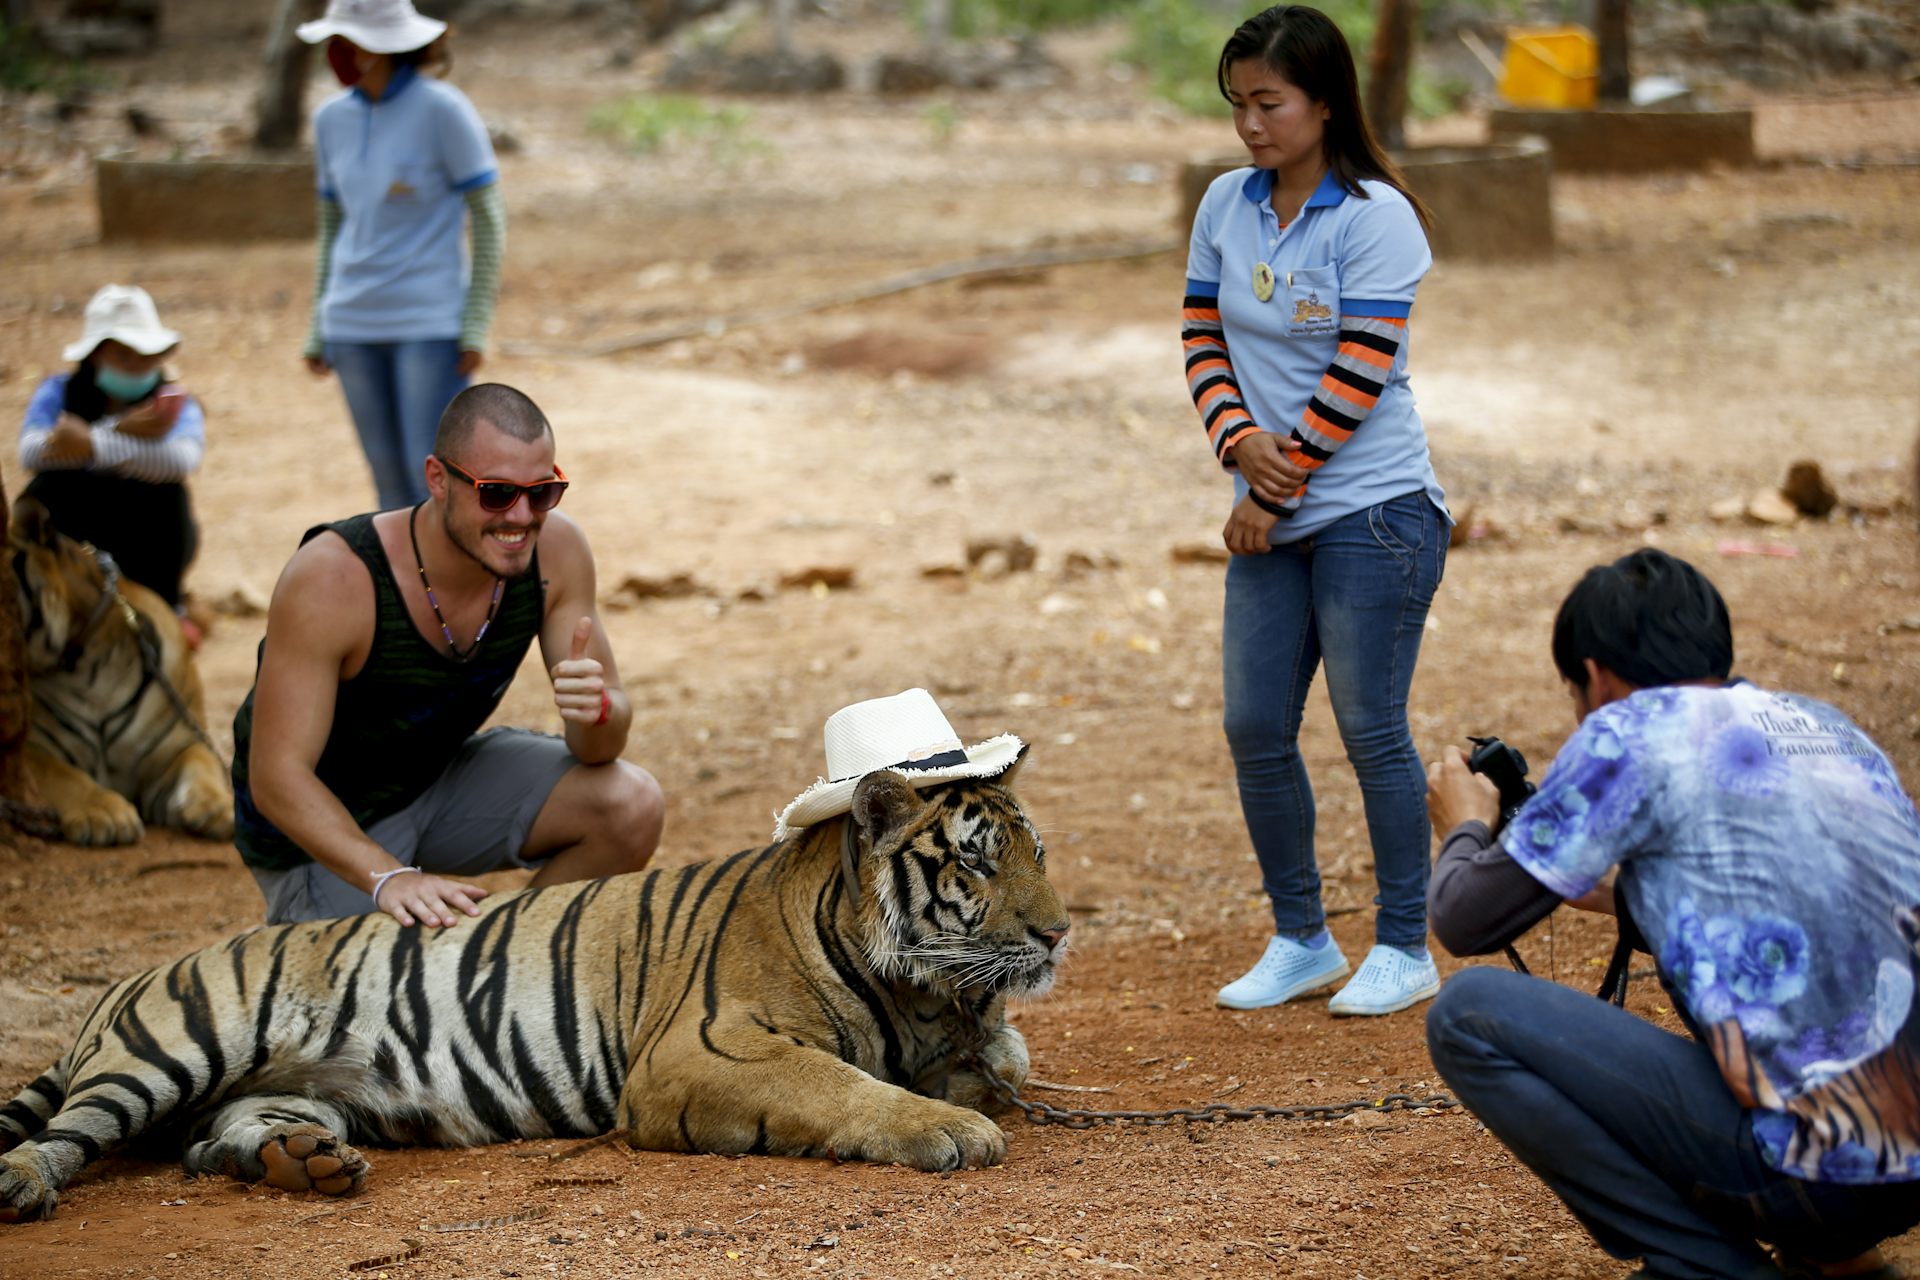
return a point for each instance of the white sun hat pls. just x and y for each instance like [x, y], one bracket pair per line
[906, 733]
[126, 314]
[378, 26]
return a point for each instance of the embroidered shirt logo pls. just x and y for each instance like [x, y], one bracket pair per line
[401, 190]
[1310, 308]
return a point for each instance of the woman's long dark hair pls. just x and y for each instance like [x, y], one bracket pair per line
[1304, 47]
[83, 396]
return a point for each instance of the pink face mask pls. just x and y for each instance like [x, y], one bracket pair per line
[340, 56]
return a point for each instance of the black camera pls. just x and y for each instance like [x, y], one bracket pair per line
[1506, 769]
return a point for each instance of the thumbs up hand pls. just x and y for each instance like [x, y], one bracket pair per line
[579, 682]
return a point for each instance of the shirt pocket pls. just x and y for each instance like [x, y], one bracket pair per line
[415, 184]
[1312, 302]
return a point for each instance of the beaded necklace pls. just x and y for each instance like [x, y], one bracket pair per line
[453, 650]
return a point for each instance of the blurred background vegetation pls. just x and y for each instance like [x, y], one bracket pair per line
[1174, 44]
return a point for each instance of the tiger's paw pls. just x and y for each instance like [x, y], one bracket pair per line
[24, 1194]
[194, 795]
[102, 818]
[203, 810]
[306, 1157]
[934, 1136]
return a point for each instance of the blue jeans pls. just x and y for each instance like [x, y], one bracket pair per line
[1633, 1127]
[395, 391]
[1354, 595]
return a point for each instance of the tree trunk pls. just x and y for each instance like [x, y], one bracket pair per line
[1615, 28]
[1391, 67]
[782, 28]
[283, 90]
[15, 786]
[938, 16]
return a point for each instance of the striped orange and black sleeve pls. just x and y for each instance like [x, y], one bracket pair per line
[1210, 377]
[1347, 393]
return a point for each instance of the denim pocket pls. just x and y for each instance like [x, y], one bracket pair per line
[1402, 526]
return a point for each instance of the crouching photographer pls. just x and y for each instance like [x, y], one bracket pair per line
[1764, 849]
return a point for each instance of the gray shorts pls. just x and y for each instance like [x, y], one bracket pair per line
[473, 819]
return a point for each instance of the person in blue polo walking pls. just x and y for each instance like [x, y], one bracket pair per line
[404, 167]
[1300, 279]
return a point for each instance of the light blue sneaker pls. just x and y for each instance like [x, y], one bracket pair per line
[1285, 970]
[1389, 980]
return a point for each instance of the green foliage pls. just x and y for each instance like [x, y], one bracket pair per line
[1177, 44]
[1430, 95]
[974, 18]
[943, 121]
[26, 67]
[1047, 15]
[645, 124]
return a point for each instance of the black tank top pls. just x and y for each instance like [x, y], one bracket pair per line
[398, 723]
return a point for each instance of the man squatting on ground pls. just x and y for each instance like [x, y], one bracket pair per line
[356, 754]
[1770, 861]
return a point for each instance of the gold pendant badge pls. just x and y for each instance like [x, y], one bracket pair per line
[1262, 281]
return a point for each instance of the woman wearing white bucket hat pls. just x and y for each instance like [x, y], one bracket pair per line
[113, 442]
[404, 165]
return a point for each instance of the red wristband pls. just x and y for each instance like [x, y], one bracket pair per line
[606, 708]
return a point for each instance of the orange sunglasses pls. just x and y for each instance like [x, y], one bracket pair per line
[500, 495]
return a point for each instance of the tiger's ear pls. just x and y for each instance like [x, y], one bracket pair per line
[1006, 776]
[883, 803]
[32, 523]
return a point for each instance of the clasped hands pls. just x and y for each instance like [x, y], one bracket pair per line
[71, 439]
[1262, 459]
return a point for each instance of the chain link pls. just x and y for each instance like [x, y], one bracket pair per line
[973, 1035]
[1212, 1112]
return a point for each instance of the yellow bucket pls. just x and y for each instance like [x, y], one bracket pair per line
[1552, 67]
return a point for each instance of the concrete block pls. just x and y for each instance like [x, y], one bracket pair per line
[220, 201]
[1627, 140]
[1488, 202]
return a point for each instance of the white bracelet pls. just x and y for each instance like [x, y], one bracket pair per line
[379, 882]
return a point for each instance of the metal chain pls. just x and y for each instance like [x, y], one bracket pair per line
[33, 820]
[147, 638]
[1213, 1112]
[972, 1037]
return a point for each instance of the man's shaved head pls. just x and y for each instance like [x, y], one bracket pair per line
[500, 406]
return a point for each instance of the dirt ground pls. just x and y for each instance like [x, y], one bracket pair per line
[1695, 335]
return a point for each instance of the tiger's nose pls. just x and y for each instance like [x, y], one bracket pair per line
[1051, 936]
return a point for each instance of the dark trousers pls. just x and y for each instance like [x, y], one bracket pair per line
[148, 529]
[1635, 1130]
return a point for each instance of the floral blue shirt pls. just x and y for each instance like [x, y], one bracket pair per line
[1772, 861]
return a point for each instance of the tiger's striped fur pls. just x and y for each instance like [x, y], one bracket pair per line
[763, 1002]
[107, 747]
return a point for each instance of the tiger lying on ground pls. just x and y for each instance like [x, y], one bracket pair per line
[107, 746]
[815, 997]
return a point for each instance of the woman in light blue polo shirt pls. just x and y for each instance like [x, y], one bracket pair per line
[1301, 276]
[404, 166]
